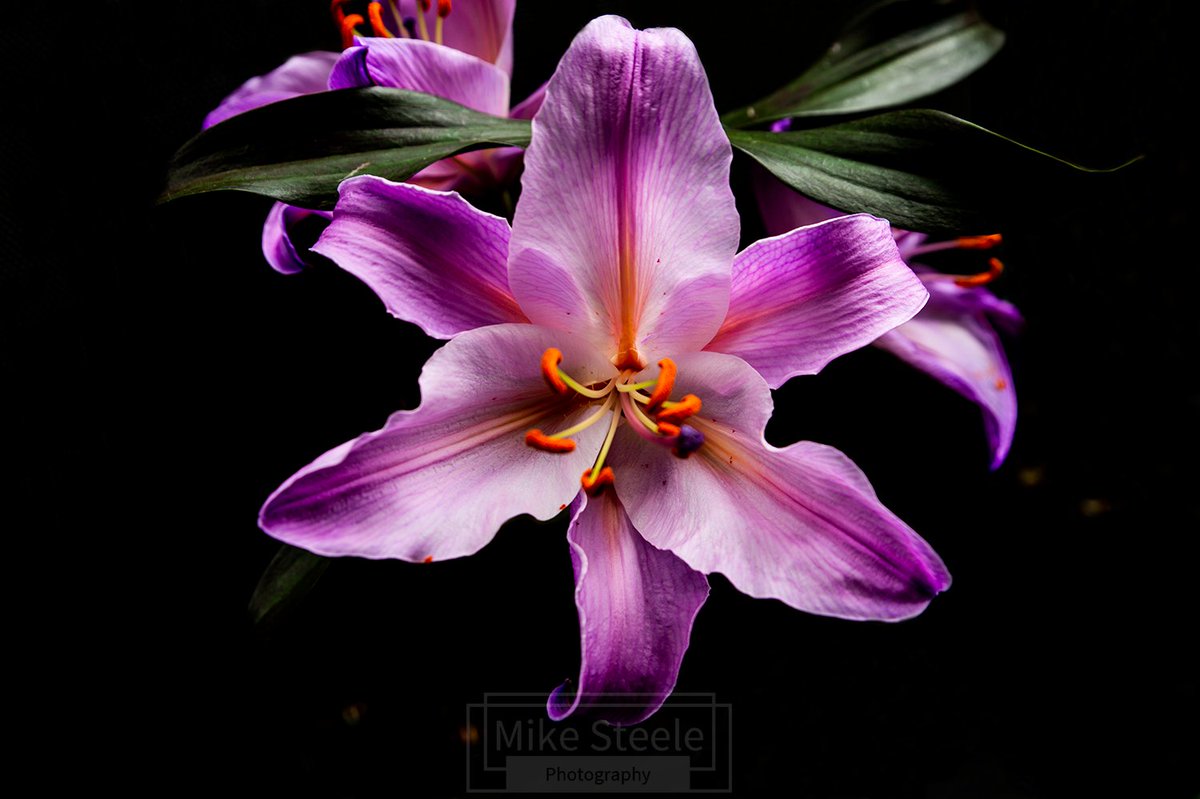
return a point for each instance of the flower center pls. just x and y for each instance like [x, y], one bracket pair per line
[652, 416]
[405, 27]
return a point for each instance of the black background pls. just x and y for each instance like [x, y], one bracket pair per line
[168, 380]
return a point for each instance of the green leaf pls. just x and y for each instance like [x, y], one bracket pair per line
[291, 574]
[922, 170]
[849, 80]
[299, 150]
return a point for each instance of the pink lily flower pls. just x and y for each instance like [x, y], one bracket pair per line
[613, 340]
[464, 56]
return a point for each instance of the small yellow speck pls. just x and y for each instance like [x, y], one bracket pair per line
[1031, 476]
[1094, 506]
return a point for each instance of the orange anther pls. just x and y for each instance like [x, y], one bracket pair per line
[443, 8]
[349, 23]
[424, 4]
[375, 12]
[980, 242]
[1001, 384]
[539, 440]
[668, 429]
[551, 358]
[688, 406]
[595, 486]
[335, 8]
[666, 381]
[995, 267]
[428, 559]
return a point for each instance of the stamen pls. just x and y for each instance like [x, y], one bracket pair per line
[539, 440]
[995, 267]
[666, 381]
[633, 387]
[335, 8]
[579, 388]
[678, 411]
[559, 381]
[400, 26]
[375, 12]
[423, 7]
[980, 242]
[598, 468]
[638, 415]
[594, 485]
[964, 243]
[591, 420]
[551, 358]
[443, 12]
[639, 396]
[349, 22]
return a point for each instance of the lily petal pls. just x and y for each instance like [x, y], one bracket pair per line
[277, 244]
[432, 257]
[307, 73]
[636, 608]
[952, 341]
[800, 524]
[423, 67]
[482, 28]
[437, 482]
[804, 298]
[626, 223]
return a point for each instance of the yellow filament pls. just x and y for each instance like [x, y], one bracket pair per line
[588, 422]
[584, 390]
[399, 19]
[608, 440]
[630, 388]
[643, 418]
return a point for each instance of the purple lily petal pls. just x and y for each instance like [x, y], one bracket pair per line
[423, 67]
[636, 608]
[482, 28]
[432, 257]
[307, 73]
[626, 227]
[437, 482]
[800, 524]
[802, 299]
[277, 244]
[952, 341]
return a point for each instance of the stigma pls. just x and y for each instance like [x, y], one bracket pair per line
[652, 416]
